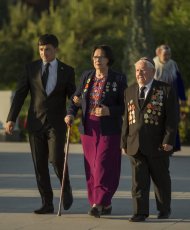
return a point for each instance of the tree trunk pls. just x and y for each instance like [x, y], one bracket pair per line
[139, 42]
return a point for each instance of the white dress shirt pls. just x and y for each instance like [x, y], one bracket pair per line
[52, 77]
[147, 89]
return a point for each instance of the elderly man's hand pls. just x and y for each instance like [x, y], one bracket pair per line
[167, 147]
[124, 150]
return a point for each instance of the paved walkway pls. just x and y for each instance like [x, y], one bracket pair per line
[19, 195]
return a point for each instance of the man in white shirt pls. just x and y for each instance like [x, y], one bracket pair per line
[50, 82]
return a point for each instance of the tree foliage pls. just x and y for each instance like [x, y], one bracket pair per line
[3, 12]
[79, 25]
[134, 28]
[139, 35]
[171, 25]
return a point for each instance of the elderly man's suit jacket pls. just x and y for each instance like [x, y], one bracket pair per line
[42, 106]
[112, 96]
[148, 128]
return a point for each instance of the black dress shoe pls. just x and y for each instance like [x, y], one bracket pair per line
[106, 211]
[45, 209]
[164, 215]
[94, 212]
[67, 198]
[138, 218]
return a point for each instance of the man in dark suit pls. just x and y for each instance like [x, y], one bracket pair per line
[49, 82]
[148, 137]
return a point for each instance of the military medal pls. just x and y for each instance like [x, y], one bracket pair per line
[88, 80]
[145, 115]
[131, 112]
[154, 107]
[114, 85]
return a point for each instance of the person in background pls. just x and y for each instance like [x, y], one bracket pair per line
[148, 136]
[168, 71]
[49, 82]
[101, 98]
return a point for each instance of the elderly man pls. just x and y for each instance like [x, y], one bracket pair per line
[148, 136]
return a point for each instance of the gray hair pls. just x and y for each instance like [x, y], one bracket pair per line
[149, 63]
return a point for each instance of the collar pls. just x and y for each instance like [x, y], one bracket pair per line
[52, 63]
[148, 86]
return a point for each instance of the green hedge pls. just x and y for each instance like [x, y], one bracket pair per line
[74, 138]
[184, 125]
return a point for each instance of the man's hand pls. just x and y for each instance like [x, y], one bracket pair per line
[102, 111]
[9, 127]
[69, 120]
[167, 147]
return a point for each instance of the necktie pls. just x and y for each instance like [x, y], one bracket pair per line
[45, 75]
[142, 96]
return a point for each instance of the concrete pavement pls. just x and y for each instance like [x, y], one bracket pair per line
[19, 195]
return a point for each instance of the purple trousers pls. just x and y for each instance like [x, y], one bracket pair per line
[102, 159]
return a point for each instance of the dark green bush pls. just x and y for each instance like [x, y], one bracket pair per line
[184, 125]
[75, 135]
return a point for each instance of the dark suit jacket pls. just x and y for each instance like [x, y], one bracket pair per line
[146, 129]
[53, 106]
[112, 96]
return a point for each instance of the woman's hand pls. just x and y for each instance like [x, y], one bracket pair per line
[77, 101]
[102, 111]
[69, 120]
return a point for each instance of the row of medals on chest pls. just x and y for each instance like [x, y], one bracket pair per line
[153, 110]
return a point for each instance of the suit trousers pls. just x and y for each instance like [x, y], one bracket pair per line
[145, 168]
[47, 145]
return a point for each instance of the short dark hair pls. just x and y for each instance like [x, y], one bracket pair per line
[108, 52]
[48, 39]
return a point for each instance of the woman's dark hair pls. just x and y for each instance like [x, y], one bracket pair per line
[48, 39]
[108, 52]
